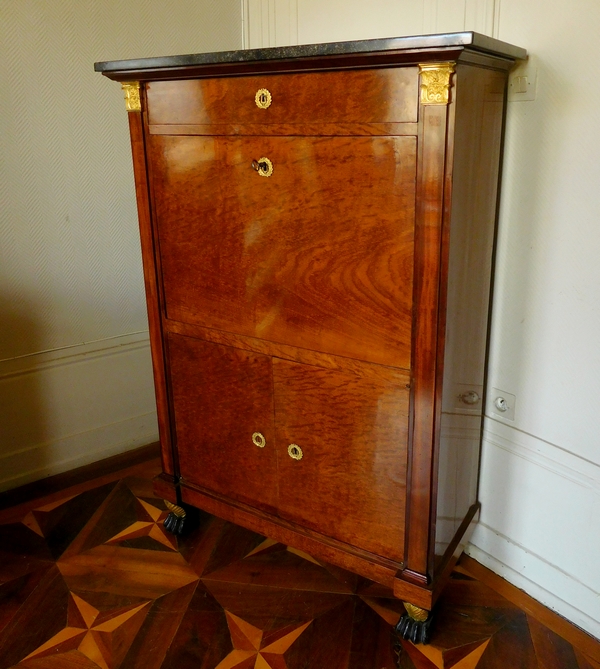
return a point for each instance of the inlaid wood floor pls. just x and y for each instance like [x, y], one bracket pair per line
[89, 578]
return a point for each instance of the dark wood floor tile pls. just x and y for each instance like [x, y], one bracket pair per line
[14, 593]
[43, 615]
[412, 657]
[326, 641]
[14, 566]
[468, 592]
[279, 569]
[18, 540]
[510, 647]
[115, 636]
[272, 661]
[152, 642]
[120, 511]
[456, 626]
[61, 524]
[552, 651]
[71, 660]
[371, 645]
[202, 639]
[273, 608]
[233, 544]
[389, 610]
[197, 546]
[348, 580]
[404, 660]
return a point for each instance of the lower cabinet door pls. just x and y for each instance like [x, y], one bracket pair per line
[342, 452]
[223, 406]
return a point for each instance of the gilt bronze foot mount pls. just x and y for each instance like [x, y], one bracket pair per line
[175, 521]
[414, 625]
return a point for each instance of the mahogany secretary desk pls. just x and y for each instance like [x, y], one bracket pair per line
[317, 227]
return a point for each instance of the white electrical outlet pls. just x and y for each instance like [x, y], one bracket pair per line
[522, 81]
[501, 404]
[468, 399]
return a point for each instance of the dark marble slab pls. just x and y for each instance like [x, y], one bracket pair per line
[468, 40]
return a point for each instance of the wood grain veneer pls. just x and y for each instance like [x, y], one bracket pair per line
[319, 255]
[364, 96]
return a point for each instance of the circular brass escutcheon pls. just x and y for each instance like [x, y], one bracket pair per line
[259, 440]
[265, 167]
[295, 452]
[263, 98]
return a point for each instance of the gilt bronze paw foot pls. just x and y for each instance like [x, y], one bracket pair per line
[414, 625]
[175, 522]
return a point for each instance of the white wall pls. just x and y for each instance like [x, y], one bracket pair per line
[75, 375]
[540, 484]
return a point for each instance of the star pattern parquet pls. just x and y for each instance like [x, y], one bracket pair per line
[90, 579]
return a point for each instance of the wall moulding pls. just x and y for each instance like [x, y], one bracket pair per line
[69, 407]
[269, 23]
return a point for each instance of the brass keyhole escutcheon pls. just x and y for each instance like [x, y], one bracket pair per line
[259, 440]
[263, 166]
[263, 98]
[295, 452]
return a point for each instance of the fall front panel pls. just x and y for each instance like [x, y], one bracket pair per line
[317, 255]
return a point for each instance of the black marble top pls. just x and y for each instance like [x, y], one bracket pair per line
[469, 40]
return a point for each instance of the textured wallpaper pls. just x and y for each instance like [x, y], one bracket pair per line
[70, 266]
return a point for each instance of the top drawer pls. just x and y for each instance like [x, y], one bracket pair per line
[364, 96]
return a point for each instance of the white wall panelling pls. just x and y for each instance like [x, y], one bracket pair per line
[281, 22]
[270, 23]
[68, 407]
[70, 268]
[529, 487]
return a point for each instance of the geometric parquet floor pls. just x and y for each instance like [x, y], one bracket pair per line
[89, 578]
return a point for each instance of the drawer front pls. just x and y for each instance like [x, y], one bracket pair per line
[350, 429]
[223, 407]
[370, 96]
[319, 255]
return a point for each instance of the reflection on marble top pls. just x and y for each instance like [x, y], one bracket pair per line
[468, 40]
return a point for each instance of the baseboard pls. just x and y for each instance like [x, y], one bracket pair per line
[538, 528]
[66, 408]
[101, 469]
[42, 460]
[569, 597]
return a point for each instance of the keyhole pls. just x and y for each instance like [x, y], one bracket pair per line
[295, 452]
[262, 98]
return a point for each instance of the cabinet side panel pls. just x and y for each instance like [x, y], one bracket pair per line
[152, 293]
[479, 110]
